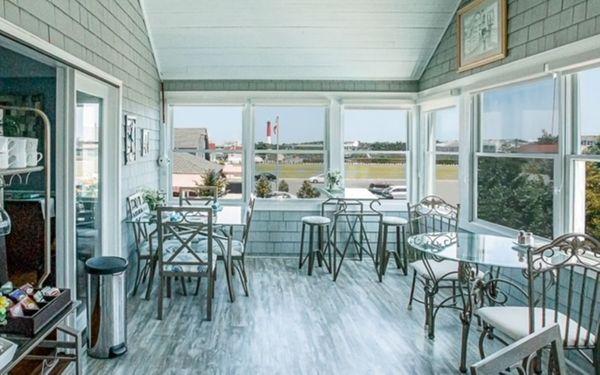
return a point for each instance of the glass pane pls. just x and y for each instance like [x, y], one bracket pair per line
[283, 176]
[289, 128]
[589, 111]
[516, 193]
[88, 117]
[207, 149]
[591, 214]
[445, 125]
[375, 129]
[520, 119]
[382, 174]
[446, 182]
[212, 169]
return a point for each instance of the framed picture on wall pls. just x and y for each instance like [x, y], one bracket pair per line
[145, 142]
[130, 139]
[482, 33]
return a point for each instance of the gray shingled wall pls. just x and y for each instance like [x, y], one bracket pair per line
[111, 35]
[534, 26]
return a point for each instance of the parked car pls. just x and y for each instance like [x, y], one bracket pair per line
[318, 179]
[281, 195]
[378, 189]
[395, 192]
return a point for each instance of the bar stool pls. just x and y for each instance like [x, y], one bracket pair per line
[383, 253]
[320, 223]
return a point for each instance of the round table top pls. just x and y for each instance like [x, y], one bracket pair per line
[483, 249]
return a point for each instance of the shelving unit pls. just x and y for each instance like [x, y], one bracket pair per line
[47, 190]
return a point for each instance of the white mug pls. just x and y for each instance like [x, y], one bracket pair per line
[17, 153]
[34, 158]
[4, 144]
[3, 160]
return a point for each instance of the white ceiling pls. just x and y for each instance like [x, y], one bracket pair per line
[295, 39]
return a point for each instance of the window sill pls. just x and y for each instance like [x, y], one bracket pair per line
[315, 205]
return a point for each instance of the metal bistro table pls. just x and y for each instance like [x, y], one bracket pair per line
[470, 250]
[344, 200]
[230, 216]
[25, 345]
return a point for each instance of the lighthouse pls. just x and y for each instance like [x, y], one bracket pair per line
[269, 132]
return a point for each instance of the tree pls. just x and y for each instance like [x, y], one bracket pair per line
[263, 187]
[213, 178]
[283, 186]
[308, 191]
[592, 193]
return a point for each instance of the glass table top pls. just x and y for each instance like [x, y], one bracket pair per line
[231, 215]
[483, 249]
[351, 194]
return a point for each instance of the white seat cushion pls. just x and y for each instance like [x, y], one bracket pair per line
[237, 247]
[446, 268]
[145, 248]
[514, 322]
[316, 220]
[185, 256]
[394, 220]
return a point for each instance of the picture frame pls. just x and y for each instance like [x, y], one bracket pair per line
[481, 33]
[145, 142]
[130, 139]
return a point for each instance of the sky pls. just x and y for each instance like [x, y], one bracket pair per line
[518, 111]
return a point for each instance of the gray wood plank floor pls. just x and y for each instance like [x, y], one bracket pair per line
[291, 324]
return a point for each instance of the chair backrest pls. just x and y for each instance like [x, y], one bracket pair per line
[432, 214]
[186, 240]
[202, 194]
[249, 214]
[519, 356]
[137, 207]
[563, 278]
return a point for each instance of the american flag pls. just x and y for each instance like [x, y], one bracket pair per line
[276, 127]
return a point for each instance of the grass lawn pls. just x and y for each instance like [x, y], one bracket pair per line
[356, 171]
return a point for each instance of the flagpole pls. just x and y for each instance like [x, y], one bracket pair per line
[277, 155]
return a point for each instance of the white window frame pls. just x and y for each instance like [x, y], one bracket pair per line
[410, 109]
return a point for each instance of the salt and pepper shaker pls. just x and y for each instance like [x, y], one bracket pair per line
[521, 238]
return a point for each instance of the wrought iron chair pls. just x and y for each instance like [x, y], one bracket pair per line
[144, 237]
[180, 250]
[522, 355]
[432, 214]
[204, 194]
[562, 288]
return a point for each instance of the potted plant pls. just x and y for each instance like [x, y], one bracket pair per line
[308, 191]
[263, 187]
[154, 198]
[283, 186]
[212, 178]
[334, 181]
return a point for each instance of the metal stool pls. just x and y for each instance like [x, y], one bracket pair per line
[320, 223]
[383, 254]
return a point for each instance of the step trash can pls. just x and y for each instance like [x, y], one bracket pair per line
[106, 306]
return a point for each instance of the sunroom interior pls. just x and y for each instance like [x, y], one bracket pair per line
[391, 186]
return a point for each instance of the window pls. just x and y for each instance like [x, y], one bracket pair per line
[207, 149]
[289, 151]
[586, 184]
[375, 150]
[518, 146]
[444, 148]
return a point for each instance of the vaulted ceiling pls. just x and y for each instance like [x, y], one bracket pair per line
[295, 39]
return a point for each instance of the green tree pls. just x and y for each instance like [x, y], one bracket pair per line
[283, 186]
[592, 193]
[308, 191]
[263, 187]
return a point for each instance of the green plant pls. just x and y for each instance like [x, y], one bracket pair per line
[213, 178]
[283, 186]
[13, 126]
[154, 198]
[334, 180]
[308, 191]
[263, 187]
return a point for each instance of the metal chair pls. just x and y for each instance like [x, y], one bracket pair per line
[562, 288]
[321, 224]
[383, 253]
[144, 237]
[433, 214]
[523, 357]
[180, 253]
[204, 194]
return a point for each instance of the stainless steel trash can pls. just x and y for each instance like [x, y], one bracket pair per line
[106, 306]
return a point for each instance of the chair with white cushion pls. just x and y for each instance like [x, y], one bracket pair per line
[383, 252]
[522, 356]
[318, 250]
[433, 214]
[562, 288]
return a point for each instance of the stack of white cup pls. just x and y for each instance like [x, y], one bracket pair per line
[19, 152]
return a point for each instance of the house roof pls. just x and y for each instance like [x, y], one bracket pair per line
[184, 163]
[193, 138]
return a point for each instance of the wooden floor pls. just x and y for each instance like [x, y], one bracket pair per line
[291, 324]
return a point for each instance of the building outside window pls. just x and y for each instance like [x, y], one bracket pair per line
[289, 151]
[516, 156]
[586, 162]
[444, 147]
[375, 151]
[207, 150]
